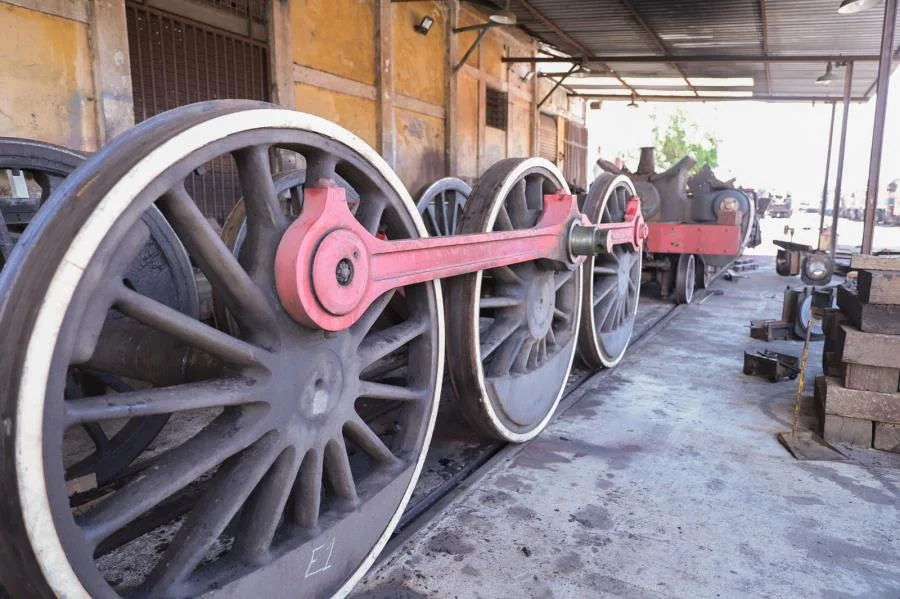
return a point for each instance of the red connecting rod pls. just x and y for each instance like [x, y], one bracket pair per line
[329, 269]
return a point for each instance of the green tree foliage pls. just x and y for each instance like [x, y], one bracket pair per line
[681, 137]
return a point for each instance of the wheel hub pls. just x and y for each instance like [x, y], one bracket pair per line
[540, 301]
[321, 385]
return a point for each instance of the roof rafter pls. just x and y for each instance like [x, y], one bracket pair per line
[570, 40]
[765, 43]
[657, 40]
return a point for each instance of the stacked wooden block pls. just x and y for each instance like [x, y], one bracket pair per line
[858, 400]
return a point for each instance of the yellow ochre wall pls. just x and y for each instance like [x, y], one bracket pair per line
[359, 63]
[45, 78]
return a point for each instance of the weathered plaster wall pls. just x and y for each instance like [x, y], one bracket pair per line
[46, 76]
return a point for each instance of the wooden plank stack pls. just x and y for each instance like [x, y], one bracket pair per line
[857, 400]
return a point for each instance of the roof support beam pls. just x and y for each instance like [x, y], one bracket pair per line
[884, 75]
[556, 85]
[657, 40]
[570, 40]
[827, 173]
[756, 98]
[848, 86]
[765, 42]
[700, 58]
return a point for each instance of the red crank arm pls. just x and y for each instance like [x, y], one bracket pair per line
[329, 269]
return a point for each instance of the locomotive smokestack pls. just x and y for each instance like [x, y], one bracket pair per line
[647, 163]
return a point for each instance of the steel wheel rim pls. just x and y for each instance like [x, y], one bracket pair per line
[441, 205]
[612, 282]
[252, 122]
[516, 403]
[685, 279]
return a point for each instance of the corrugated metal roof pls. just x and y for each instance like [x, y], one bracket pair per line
[676, 28]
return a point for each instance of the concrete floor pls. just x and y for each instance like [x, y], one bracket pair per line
[665, 480]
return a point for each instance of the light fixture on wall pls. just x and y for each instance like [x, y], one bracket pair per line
[848, 7]
[424, 26]
[827, 77]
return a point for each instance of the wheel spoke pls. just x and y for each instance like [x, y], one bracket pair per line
[429, 212]
[360, 433]
[230, 488]
[383, 343]
[558, 314]
[561, 277]
[605, 270]
[362, 327]
[244, 299]
[503, 222]
[371, 209]
[320, 165]
[445, 217]
[503, 362]
[337, 469]
[517, 204]
[308, 490]
[524, 356]
[603, 289]
[607, 309]
[264, 511]
[223, 437]
[500, 331]
[192, 332]
[391, 392]
[506, 274]
[97, 435]
[166, 400]
[499, 301]
[265, 215]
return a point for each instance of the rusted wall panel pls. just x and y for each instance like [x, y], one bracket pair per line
[468, 125]
[46, 79]
[350, 112]
[420, 149]
[337, 36]
[418, 59]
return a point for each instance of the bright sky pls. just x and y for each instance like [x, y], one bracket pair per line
[775, 146]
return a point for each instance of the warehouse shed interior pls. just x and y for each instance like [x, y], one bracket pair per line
[327, 298]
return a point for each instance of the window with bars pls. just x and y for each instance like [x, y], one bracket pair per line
[496, 111]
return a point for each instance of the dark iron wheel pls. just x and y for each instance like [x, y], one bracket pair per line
[685, 279]
[161, 270]
[295, 451]
[441, 205]
[512, 349]
[612, 282]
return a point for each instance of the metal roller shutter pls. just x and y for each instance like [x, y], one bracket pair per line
[548, 142]
[177, 61]
[575, 155]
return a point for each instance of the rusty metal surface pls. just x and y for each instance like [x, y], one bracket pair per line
[696, 27]
[672, 238]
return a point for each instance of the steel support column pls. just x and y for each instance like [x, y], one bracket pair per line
[848, 84]
[881, 94]
[827, 170]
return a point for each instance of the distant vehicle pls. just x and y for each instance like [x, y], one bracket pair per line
[780, 206]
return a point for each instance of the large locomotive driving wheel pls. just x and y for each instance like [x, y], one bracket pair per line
[161, 270]
[441, 205]
[309, 443]
[612, 281]
[510, 355]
